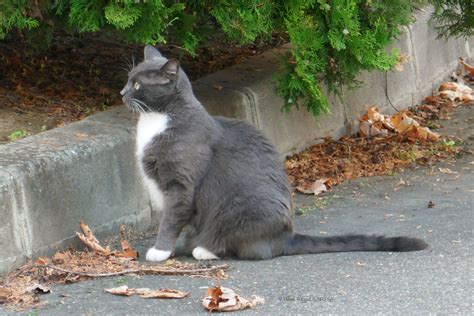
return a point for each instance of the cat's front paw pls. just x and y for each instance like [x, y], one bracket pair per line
[154, 254]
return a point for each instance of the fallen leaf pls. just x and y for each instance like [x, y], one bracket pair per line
[127, 251]
[38, 289]
[447, 170]
[225, 300]
[455, 91]
[121, 290]
[319, 186]
[400, 184]
[165, 293]
[81, 135]
[421, 133]
[41, 261]
[467, 68]
[316, 188]
[409, 127]
[402, 122]
[373, 123]
[90, 240]
[368, 129]
[4, 294]
[448, 86]
[59, 258]
[401, 59]
[124, 290]
[87, 231]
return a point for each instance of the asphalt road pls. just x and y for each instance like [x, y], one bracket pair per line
[437, 280]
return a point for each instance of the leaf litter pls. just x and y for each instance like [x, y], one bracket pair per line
[23, 288]
[384, 143]
[81, 75]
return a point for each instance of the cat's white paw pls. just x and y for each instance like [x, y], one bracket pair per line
[154, 254]
[200, 253]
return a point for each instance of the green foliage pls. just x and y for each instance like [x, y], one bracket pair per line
[453, 17]
[17, 135]
[332, 40]
[244, 20]
[12, 16]
[86, 15]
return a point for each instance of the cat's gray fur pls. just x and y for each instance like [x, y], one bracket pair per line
[223, 178]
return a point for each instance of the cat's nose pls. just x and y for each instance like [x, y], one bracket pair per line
[124, 90]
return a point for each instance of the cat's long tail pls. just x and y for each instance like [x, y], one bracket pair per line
[297, 244]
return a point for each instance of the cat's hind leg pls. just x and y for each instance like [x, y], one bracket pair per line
[201, 253]
[255, 250]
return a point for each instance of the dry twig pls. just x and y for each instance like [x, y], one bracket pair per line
[141, 270]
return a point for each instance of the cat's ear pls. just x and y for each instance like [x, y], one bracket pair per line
[171, 69]
[152, 53]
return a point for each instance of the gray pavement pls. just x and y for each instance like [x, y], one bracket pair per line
[437, 280]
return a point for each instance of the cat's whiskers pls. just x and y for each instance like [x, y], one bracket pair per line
[137, 107]
[133, 106]
[126, 69]
[126, 65]
[143, 104]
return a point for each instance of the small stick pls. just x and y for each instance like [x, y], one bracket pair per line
[140, 270]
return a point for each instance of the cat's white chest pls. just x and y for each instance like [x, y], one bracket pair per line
[149, 126]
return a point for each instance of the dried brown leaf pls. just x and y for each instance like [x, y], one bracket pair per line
[123, 290]
[59, 258]
[226, 300]
[401, 60]
[467, 68]
[164, 293]
[41, 261]
[5, 294]
[127, 251]
[93, 245]
[447, 170]
[38, 289]
[319, 186]
[87, 231]
[81, 136]
[88, 238]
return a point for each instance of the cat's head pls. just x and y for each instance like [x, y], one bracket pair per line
[154, 83]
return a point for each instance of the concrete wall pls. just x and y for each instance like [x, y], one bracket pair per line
[50, 181]
[86, 170]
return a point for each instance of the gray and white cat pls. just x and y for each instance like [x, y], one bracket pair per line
[218, 176]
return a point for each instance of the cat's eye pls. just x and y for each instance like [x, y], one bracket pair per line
[136, 86]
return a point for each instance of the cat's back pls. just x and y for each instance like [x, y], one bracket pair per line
[244, 140]
[246, 156]
[245, 166]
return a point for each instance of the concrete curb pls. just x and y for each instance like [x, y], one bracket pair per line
[87, 170]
